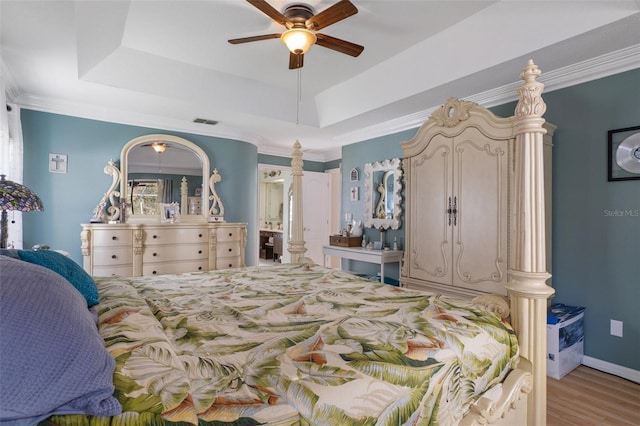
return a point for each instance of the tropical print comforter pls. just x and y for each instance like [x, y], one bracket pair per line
[294, 345]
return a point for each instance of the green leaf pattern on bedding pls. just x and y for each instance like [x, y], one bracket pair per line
[294, 345]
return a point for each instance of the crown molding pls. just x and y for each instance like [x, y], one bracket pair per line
[581, 72]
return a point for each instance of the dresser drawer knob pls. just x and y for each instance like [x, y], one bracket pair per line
[154, 272]
[199, 251]
[231, 265]
[155, 236]
[199, 235]
[231, 234]
[199, 268]
[114, 238]
[113, 256]
[155, 254]
[230, 250]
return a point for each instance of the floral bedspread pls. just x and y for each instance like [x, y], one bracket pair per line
[294, 345]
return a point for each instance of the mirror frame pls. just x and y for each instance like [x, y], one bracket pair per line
[203, 217]
[393, 165]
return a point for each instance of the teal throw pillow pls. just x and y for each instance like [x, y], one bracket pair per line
[66, 267]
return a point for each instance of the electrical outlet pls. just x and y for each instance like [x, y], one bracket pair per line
[616, 328]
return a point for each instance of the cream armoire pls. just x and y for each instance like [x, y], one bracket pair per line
[459, 187]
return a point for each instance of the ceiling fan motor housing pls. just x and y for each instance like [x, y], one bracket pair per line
[298, 14]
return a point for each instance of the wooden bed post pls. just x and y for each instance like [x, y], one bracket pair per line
[296, 242]
[527, 286]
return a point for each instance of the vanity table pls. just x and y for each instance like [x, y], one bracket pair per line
[142, 229]
[270, 244]
[379, 257]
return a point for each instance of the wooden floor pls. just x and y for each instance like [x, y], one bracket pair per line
[587, 397]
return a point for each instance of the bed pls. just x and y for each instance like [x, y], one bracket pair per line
[291, 344]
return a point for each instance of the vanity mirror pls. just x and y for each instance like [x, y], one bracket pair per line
[159, 170]
[383, 194]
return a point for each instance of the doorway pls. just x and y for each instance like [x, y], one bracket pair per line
[274, 213]
[271, 214]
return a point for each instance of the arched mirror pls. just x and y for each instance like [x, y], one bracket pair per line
[164, 177]
[383, 194]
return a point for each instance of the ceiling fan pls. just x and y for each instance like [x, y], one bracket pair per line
[302, 24]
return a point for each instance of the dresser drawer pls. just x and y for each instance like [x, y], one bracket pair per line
[228, 234]
[156, 236]
[121, 271]
[228, 262]
[175, 253]
[115, 237]
[228, 249]
[112, 256]
[151, 269]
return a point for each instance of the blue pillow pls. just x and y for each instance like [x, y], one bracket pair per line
[54, 360]
[66, 267]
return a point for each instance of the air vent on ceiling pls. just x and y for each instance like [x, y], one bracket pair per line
[205, 121]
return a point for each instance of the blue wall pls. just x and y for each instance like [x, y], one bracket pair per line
[357, 155]
[69, 199]
[596, 257]
[596, 253]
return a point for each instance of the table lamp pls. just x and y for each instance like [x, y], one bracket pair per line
[14, 196]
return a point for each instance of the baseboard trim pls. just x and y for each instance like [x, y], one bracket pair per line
[607, 367]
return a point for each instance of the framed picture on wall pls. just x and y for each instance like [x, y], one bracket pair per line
[623, 154]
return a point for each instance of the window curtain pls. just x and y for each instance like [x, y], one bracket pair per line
[11, 155]
[167, 191]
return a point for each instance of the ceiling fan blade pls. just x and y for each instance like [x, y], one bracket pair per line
[339, 45]
[296, 60]
[339, 11]
[271, 12]
[253, 38]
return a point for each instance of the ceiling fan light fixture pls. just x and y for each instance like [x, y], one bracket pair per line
[298, 40]
[159, 147]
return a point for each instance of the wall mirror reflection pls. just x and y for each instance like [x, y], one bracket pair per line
[383, 194]
[273, 214]
[164, 169]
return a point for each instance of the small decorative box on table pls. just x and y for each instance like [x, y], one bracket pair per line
[342, 241]
[565, 339]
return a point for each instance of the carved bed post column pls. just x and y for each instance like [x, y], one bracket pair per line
[296, 242]
[527, 287]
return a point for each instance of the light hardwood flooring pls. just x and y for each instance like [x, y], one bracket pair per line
[588, 397]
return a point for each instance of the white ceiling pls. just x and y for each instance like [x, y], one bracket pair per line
[163, 63]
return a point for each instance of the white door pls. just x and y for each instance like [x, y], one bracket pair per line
[335, 189]
[316, 207]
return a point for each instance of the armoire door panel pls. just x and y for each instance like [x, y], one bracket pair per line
[430, 256]
[480, 192]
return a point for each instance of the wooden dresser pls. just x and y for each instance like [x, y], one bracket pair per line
[155, 249]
